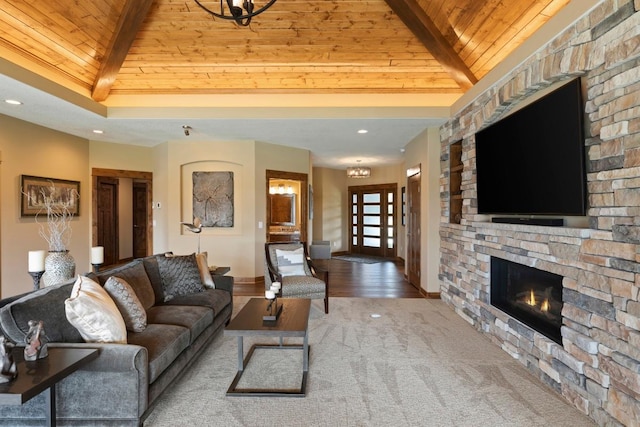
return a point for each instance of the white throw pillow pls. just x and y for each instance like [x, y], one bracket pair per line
[93, 313]
[290, 263]
[205, 274]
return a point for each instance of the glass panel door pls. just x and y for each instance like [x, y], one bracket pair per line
[372, 220]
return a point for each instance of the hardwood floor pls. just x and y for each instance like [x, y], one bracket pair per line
[352, 279]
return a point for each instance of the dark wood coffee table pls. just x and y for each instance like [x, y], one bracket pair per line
[292, 322]
[42, 375]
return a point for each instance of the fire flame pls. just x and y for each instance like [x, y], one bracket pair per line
[545, 305]
[532, 299]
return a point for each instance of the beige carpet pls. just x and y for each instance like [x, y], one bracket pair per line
[419, 364]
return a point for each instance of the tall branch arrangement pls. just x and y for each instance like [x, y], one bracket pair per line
[57, 203]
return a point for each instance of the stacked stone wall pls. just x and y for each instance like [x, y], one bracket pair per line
[597, 367]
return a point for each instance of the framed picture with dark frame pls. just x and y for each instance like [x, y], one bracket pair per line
[35, 189]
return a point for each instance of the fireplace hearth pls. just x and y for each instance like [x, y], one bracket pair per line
[528, 294]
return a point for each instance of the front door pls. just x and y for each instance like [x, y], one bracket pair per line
[373, 225]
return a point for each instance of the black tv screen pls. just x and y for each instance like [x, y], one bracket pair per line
[532, 162]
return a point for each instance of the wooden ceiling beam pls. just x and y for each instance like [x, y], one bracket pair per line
[131, 19]
[421, 25]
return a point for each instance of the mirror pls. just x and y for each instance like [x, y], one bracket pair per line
[283, 209]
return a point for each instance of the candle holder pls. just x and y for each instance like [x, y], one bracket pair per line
[36, 275]
[273, 310]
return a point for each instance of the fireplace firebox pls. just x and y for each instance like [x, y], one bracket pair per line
[530, 295]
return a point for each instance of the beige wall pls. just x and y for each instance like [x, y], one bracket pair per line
[330, 207]
[424, 151]
[241, 248]
[33, 150]
[331, 204]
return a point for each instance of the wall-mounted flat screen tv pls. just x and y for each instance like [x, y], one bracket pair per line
[532, 162]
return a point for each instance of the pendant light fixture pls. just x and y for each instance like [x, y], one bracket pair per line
[240, 11]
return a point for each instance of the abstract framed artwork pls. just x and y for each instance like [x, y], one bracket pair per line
[213, 196]
[35, 190]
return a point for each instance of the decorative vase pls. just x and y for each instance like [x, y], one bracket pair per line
[59, 266]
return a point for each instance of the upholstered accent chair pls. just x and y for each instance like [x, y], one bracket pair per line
[290, 264]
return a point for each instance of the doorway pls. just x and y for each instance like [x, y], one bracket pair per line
[287, 206]
[373, 220]
[115, 224]
[413, 229]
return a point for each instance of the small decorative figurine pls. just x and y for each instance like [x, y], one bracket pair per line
[8, 369]
[36, 341]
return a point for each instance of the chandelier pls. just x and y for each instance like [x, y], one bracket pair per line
[358, 172]
[240, 11]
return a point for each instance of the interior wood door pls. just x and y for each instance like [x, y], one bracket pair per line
[108, 237]
[140, 219]
[413, 230]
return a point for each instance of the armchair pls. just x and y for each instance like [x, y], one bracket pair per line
[290, 264]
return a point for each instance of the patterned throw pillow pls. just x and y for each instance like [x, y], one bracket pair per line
[133, 313]
[180, 275]
[92, 311]
[290, 263]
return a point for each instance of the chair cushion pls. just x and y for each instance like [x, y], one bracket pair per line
[303, 286]
[290, 263]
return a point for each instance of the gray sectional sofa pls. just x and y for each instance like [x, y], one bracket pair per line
[121, 386]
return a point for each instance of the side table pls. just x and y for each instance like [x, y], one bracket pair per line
[42, 375]
[219, 271]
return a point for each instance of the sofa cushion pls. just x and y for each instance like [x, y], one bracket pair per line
[153, 272]
[163, 343]
[135, 274]
[215, 299]
[131, 309]
[197, 319]
[180, 275]
[92, 311]
[44, 304]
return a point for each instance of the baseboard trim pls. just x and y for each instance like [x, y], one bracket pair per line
[430, 295]
[248, 280]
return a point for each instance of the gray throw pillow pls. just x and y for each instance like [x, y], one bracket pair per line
[133, 313]
[180, 275]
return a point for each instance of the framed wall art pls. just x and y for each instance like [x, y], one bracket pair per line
[36, 192]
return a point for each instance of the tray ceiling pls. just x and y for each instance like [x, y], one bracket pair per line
[135, 47]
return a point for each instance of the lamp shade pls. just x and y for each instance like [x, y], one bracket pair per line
[358, 172]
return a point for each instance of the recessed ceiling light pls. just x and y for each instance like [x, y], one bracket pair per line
[98, 131]
[13, 102]
[376, 316]
[363, 131]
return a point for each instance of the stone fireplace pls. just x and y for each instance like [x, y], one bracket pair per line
[532, 296]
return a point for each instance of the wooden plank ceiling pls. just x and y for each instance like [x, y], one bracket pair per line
[133, 47]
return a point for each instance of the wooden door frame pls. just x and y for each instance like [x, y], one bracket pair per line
[147, 177]
[413, 229]
[304, 197]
